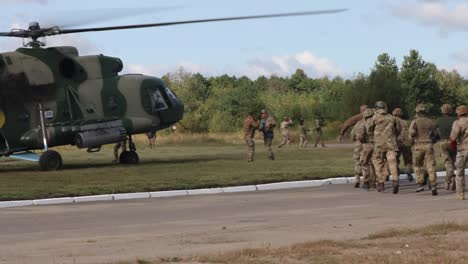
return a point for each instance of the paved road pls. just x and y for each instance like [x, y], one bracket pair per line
[118, 231]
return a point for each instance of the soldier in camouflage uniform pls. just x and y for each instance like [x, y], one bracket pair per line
[365, 135]
[459, 141]
[266, 127]
[386, 130]
[404, 143]
[357, 152]
[423, 132]
[444, 125]
[284, 128]
[122, 145]
[356, 122]
[303, 134]
[250, 125]
[318, 133]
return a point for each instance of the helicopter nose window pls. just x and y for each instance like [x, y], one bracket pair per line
[157, 100]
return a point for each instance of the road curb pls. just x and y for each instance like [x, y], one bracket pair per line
[176, 193]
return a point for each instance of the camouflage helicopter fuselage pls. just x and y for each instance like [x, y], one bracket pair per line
[84, 100]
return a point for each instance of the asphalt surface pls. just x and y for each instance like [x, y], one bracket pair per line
[185, 226]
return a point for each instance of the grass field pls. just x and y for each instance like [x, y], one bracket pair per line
[434, 244]
[178, 162]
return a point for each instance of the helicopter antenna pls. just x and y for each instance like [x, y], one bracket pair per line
[34, 31]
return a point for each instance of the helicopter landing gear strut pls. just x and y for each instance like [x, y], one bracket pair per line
[50, 161]
[129, 157]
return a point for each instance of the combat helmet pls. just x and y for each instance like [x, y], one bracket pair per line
[420, 108]
[461, 110]
[397, 112]
[446, 109]
[381, 105]
[368, 113]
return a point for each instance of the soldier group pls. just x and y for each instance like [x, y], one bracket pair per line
[380, 139]
[266, 125]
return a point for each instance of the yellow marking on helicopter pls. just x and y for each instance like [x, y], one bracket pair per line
[2, 119]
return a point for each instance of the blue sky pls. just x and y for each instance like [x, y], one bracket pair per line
[337, 44]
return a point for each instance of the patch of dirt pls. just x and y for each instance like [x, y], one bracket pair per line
[441, 243]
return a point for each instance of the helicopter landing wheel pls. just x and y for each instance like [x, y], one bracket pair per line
[129, 157]
[50, 161]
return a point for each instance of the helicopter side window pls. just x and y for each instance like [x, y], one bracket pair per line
[157, 100]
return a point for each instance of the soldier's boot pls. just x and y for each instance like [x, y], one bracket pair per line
[396, 187]
[410, 177]
[356, 185]
[381, 187]
[434, 191]
[461, 195]
[420, 188]
[366, 186]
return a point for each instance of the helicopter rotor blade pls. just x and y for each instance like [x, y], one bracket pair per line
[307, 13]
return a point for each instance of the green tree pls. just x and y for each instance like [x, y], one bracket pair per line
[419, 83]
[384, 83]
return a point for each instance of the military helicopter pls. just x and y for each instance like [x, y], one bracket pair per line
[53, 96]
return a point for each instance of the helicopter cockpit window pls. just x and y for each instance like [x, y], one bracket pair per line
[157, 100]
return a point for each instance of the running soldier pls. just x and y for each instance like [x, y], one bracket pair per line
[357, 153]
[404, 143]
[353, 121]
[423, 132]
[459, 141]
[444, 125]
[284, 128]
[318, 133]
[365, 135]
[303, 134]
[250, 125]
[386, 130]
[266, 127]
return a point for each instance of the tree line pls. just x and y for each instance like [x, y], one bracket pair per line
[219, 104]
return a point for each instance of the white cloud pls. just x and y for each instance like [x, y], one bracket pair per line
[313, 65]
[447, 16]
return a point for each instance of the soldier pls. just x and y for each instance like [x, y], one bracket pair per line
[352, 121]
[121, 145]
[444, 125]
[266, 127]
[357, 153]
[303, 134]
[423, 131]
[318, 133]
[365, 135]
[151, 135]
[284, 128]
[404, 143]
[250, 125]
[386, 130]
[459, 141]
